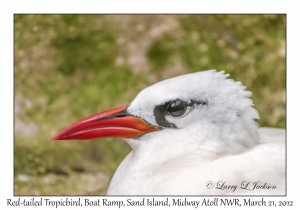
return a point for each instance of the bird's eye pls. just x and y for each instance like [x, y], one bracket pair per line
[176, 108]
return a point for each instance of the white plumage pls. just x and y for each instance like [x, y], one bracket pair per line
[217, 145]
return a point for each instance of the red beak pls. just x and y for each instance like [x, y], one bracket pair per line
[114, 123]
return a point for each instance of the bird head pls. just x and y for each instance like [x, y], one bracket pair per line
[198, 111]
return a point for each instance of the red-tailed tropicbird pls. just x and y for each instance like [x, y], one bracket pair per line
[194, 134]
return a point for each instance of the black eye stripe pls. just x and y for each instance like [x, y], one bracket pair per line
[160, 111]
[194, 102]
[160, 117]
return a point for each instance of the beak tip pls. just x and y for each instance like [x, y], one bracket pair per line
[56, 137]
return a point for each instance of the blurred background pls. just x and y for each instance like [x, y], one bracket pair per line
[68, 67]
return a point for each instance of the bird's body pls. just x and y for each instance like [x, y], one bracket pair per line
[191, 135]
[255, 171]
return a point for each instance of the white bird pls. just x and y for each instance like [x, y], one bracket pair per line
[194, 134]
